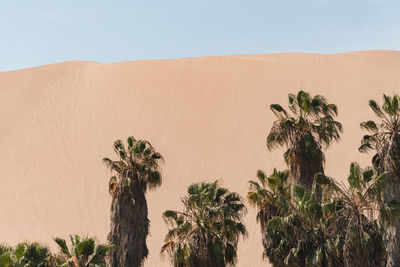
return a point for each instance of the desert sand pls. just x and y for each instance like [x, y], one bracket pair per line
[208, 116]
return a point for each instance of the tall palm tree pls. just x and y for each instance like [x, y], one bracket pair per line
[271, 196]
[308, 126]
[384, 139]
[83, 252]
[207, 232]
[137, 168]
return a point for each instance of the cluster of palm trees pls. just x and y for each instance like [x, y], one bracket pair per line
[310, 219]
[307, 218]
[84, 252]
[205, 233]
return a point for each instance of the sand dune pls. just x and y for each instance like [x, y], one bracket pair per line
[208, 116]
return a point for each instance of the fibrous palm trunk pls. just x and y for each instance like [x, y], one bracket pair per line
[203, 249]
[304, 164]
[392, 234]
[392, 192]
[129, 226]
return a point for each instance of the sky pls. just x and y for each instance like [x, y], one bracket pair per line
[41, 32]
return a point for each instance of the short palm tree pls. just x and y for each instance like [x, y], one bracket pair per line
[83, 252]
[305, 236]
[362, 236]
[339, 230]
[137, 168]
[384, 139]
[31, 255]
[271, 196]
[308, 126]
[5, 255]
[207, 232]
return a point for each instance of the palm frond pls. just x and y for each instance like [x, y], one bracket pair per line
[212, 216]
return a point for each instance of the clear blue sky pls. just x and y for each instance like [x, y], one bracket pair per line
[37, 32]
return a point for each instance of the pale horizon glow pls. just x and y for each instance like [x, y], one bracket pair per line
[44, 31]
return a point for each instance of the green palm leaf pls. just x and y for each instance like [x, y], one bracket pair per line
[212, 219]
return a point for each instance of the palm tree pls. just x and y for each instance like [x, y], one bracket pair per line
[339, 230]
[310, 125]
[384, 139]
[5, 255]
[305, 236]
[30, 255]
[363, 241]
[137, 169]
[207, 232]
[83, 252]
[271, 195]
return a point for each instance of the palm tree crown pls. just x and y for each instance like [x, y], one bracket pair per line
[140, 161]
[31, 254]
[311, 121]
[6, 253]
[206, 233]
[385, 134]
[308, 126]
[270, 192]
[83, 252]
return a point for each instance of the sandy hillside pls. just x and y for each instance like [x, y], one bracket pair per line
[208, 116]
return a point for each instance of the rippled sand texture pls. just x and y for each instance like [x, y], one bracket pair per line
[208, 116]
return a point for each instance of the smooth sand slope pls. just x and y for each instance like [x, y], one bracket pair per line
[209, 117]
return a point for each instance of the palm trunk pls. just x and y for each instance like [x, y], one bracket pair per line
[392, 192]
[205, 257]
[129, 225]
[213, 259]
[392, 243]
[303, 167]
